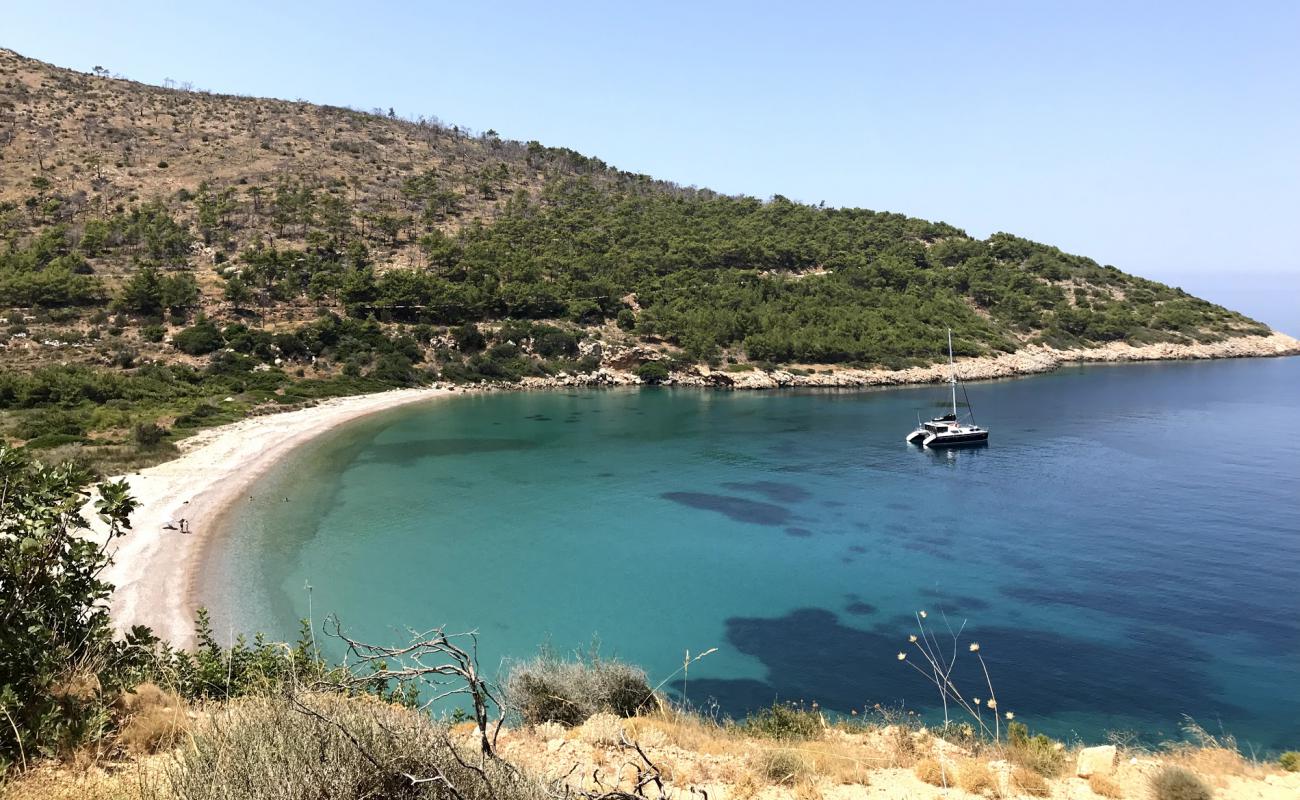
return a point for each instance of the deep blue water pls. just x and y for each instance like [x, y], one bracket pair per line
[1126, 551]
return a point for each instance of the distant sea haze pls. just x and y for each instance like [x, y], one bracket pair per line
[1270, 297]
[1125, 551]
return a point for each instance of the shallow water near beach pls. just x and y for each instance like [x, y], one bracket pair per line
[1126, 551]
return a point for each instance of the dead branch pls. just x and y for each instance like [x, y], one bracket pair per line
[431, 659]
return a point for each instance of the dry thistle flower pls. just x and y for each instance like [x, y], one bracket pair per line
[974, 647]
[901, 655]
[912, 638]
[1011, 715]
[977, 701]
[993, 704]
[923, 614]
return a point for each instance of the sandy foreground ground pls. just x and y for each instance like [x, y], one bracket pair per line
[698, 762]
[153, 566]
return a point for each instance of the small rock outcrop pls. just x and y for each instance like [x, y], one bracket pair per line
[1096, 761]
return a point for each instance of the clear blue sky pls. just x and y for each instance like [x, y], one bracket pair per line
[1162, 137]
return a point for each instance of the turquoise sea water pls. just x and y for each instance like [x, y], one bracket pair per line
[1126, 551]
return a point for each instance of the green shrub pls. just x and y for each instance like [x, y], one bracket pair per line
[1290, 761]
[468, 338]
[54, 624]
[514, 330]
[652, 372]
[394, 368]
[1177, 783]
[199, 339]
[148, 434]
[201, 412]
[52, 440]
[153, 333]
[243, 669]
[51, 421]
[783, 721]
[547, 689]
[125, 358]
[552, 342]
[1037, 752]
[502, 351]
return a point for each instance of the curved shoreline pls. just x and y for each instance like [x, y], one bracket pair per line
[1029, 360]
[154, 570]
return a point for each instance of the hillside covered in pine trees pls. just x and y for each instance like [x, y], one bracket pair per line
[171, 258]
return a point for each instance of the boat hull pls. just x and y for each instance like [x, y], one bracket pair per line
[956, 439]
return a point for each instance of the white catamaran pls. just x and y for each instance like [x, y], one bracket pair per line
[947, 431]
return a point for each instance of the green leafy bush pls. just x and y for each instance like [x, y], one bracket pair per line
[199, 339]
[552, 342]
[395, 369]
[54, 627]
[49, 441]
[784, 721]
[51, 421]
[468, 338]
[1036, 752]
[148, 434]
[652, 372]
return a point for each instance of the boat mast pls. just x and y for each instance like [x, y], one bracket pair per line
[953, 380]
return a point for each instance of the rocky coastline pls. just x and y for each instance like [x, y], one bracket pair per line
[1029, 360]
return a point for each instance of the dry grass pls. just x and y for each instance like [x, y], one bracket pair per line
[1179, 783]
[1211, 760]
[155, 720]
[1026, 781]
[903, 746]
[683, 731]
[843, 761]
[975, 777]
[839, 757]
[745, 786]
[329, 748]
[1105, 786]
[781, 766]
[281, 752]
[935, 772]
[602, 729]
[58, 782]
[808, 790]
